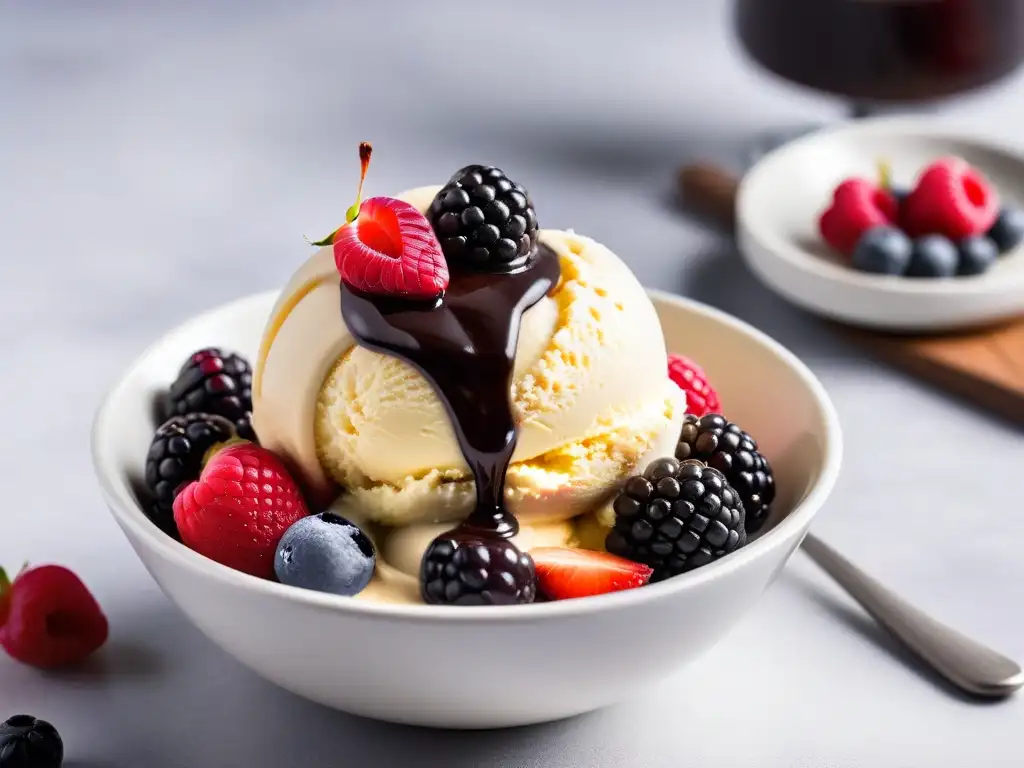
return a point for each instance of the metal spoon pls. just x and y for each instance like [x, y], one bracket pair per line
[966, 663]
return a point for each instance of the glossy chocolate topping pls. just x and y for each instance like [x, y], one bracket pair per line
[465, 346]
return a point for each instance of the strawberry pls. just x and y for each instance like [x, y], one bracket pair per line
[391, 249]
[952, 199]
[701, 398]
[48, 618]
[857, 206]
[564, 573]
[239, 508]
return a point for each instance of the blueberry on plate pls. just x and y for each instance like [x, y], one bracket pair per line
[325, 553]
[1008, 231]
[882, 251]
[977, 254]
[933, 256]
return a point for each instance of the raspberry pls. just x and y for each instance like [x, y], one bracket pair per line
[49, 619]
[484, 220]
[677, 516]
[857, 206]
[952, 199]
[238, 510]
[464, 568]
[390, 250]
[701, 398]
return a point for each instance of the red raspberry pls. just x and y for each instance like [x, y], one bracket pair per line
[391, 249]
[690, 377]
[857, 206]
[49, 619]
[238, 510]
[952, 199]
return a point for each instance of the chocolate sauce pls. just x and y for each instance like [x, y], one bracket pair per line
[465, 346]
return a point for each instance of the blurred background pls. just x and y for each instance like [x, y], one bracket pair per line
[160, 158]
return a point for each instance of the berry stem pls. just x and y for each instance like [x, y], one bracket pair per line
[365, 151]
[5, 596]
[884, 174]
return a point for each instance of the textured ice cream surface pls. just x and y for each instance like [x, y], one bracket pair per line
[590, 394]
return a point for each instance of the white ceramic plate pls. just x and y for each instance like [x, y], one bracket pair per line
[780, 199]
[496, 666]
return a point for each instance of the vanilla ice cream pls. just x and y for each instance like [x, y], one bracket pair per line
[590, 393]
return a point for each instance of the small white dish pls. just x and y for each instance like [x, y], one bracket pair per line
[493, 666]
[781, 197]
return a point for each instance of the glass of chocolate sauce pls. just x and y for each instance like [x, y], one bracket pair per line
[884, 55]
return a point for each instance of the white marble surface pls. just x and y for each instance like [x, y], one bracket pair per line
[159, 158]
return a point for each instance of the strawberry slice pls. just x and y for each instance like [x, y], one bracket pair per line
[391, 250]
[564, 573]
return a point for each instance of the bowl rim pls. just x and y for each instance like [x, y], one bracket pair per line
[750, 219]
[127, 512]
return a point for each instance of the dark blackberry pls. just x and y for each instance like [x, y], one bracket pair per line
[462, 567]
[212, 381]
[484, 220]
[677, 516]
[175, 459]
[26, 742]
[730, 450]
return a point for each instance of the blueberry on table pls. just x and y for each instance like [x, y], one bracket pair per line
[977, 254]
[1008, 231]
[325, 553]
[882, 251]
[933, 256]
[26, 742]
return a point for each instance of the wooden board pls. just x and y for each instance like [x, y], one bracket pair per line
[985, 366]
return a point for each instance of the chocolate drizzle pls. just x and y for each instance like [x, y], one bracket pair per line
[465, 346]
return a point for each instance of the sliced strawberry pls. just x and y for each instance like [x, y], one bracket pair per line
[564, 573]
[390, 249]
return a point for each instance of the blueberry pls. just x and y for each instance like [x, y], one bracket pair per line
[977, 254]
[1008, 231]
[934, 256]
[325, 553]
[26, 742]
[882, 250]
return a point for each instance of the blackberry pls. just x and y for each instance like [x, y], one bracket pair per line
[730, 450]
[26, 742]
[175, 459]
[484, 220]
[462, 567]
[677, 516]
[212, 381]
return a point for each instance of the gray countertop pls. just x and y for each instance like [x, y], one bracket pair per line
[158, 159]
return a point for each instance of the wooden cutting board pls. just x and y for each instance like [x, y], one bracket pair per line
[984, 366]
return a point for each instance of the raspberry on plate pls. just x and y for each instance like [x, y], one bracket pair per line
[239, 508]
[952, 199]
[701, 397]
[857, 206]
[49, 619]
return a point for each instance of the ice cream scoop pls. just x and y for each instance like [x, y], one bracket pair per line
[590, 392]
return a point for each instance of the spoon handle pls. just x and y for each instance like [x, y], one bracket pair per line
[966, 663]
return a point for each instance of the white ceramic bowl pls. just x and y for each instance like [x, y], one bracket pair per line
[494, 666]
[780, 198]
